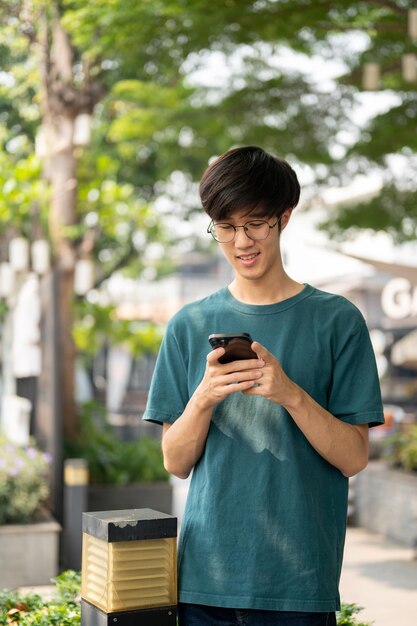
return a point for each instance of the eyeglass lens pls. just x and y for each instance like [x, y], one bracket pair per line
[255, 229]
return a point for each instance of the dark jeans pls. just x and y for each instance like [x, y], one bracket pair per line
[199, 615]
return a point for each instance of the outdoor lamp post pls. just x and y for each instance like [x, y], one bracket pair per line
[41, 256]
[6, 280]
[82, 129]
[409, 67]
[129, 568]
[19, 254]
[371, 76]
[83, 276]
[412, 23]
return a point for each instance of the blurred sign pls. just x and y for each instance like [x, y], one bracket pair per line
[399, 299]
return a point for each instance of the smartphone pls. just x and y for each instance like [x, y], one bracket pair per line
[237, 346]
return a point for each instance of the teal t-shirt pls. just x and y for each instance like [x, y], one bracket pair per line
[265, 519]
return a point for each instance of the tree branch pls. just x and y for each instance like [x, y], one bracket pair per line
[390, 5]
[129, 254]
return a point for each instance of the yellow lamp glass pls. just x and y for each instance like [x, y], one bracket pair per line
[128, 575]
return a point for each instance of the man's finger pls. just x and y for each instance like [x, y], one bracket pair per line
[214, 355]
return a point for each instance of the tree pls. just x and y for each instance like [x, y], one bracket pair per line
[125, 65]
[385, 142]
[64, 60]
[294, 116]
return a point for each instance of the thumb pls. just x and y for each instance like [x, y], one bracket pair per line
[260, 350]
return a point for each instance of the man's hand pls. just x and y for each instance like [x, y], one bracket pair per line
[183, 441]
[222, 379]
[273, 384]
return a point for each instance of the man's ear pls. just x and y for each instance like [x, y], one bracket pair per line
[285, 218]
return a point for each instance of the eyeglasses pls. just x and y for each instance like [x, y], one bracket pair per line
[254, 229]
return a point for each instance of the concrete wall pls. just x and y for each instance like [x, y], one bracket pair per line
[385, 501]
[28, 554]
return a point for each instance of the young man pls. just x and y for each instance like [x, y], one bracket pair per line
[272, 440]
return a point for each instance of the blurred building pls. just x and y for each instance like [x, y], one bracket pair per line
[157, 301]
[388, 301]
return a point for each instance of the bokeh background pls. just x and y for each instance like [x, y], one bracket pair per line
[109, 114]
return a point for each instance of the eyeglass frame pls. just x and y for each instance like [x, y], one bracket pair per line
[244, 226]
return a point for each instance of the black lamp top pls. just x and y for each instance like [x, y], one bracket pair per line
[129, 525]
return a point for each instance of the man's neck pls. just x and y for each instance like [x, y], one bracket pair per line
[254, 292]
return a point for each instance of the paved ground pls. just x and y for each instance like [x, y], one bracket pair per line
[380, 576]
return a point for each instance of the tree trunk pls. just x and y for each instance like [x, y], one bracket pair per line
[61, 102]
[61, 172]
[63, 213]
[67, 353]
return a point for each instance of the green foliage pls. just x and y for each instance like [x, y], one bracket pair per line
[24, 486]
[292, 116]
[379, 139]
[14, 606]
[110, 460]
[401, 449]
[20, 188]
[93, 325]
[31, 610]
[393, 211]
[3, 310]
[116, 210]
[19, 87]
[346, 616]
[97, 325]
[68, 586]
[64, 608]
[139, 338]
[151, 121]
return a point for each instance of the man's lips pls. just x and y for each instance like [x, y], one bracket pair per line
[248, 259]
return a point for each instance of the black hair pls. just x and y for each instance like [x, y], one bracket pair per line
[248, 178]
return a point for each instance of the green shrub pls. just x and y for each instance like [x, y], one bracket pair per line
[24, 486]
[64, 608]
[401, 449]
[31, 610]
[110, 460]
[346, 616]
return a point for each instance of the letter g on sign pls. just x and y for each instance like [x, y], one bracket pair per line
[399, 299]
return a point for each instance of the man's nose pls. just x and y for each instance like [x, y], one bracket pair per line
[241, 237]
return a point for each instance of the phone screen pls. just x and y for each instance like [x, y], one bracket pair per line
[237, 346]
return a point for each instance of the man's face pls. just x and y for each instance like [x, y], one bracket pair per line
[254, 259]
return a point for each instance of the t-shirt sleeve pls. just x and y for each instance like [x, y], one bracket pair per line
[355, 395]
[168, 393]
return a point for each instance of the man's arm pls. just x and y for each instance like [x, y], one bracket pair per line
[343, 445]
[183, 441]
